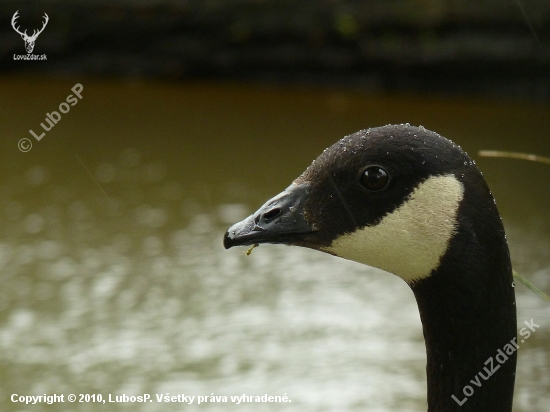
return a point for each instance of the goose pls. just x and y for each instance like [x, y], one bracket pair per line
[408, 201]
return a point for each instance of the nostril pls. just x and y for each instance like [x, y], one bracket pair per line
[272, 214]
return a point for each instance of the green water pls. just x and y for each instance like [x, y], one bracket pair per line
[115, 280]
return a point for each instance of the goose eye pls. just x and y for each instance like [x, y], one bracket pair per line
[374, 178]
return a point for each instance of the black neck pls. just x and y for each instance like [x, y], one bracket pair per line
[468, 312]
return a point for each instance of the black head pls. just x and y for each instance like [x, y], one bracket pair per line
[411, 202]
[388, 197]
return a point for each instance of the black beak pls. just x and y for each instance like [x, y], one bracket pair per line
[280, 220]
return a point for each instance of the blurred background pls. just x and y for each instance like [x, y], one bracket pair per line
[113, 275]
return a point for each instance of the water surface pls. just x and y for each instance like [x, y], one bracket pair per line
[115, 280]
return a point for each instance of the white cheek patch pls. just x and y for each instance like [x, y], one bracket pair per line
[410, 241]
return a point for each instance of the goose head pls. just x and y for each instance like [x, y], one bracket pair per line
[410, 202]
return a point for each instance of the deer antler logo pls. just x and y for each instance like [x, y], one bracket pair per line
[29, 40]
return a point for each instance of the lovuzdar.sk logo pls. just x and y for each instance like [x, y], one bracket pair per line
[29, 40]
